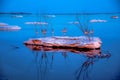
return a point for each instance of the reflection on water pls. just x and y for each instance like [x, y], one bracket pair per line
[89, 53]
[83, 71]
[42, 64]
[17, 62]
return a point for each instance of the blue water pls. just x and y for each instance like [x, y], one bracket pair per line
[18, 62]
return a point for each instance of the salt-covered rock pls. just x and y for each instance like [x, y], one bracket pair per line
[71, 42]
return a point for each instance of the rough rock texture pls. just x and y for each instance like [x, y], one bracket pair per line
[81, 42]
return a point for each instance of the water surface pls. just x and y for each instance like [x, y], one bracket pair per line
[18, 62]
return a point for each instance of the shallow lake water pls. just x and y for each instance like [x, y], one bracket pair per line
[18, 62]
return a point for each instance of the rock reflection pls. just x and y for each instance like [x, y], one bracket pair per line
[82, 73]
[41, 64]
[87, 52]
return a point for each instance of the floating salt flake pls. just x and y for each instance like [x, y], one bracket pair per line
[17, 16]
[3, 24]
[37, 23]
[50, 16]
[97, 20]
[115, 17]
[73, 22]
[9, 28]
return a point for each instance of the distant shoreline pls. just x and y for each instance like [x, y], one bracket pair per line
[22, 13]
[16, 13]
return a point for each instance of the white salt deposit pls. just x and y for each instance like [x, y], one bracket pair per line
[79, 41]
